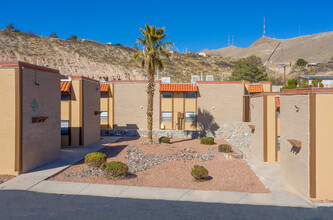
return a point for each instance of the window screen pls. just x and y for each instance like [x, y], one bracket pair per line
[166, 95]
[166, 116]
[104, 116]
[189, 116]
[190, 95]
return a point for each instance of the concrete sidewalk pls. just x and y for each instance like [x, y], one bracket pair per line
[35, 180]
[155, 193]
[68, 157]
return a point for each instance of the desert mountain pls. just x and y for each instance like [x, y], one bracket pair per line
[313, 48]
[100, 61]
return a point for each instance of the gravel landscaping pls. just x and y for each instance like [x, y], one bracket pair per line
[169, 165]
[4, 178]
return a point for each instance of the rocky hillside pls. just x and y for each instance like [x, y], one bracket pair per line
[100, 61]
[313, 48]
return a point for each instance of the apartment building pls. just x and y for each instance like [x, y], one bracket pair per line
[80, 111]
[306, 147]
[30, 116]
[204, 105]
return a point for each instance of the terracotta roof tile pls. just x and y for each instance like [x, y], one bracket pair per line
[277, 100]
[178, 88]
[104, 87]
[255, 88]
[65, 86]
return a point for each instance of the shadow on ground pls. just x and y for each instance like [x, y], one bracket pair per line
[32, 205]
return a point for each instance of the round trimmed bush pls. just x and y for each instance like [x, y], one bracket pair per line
[226, 148]
[95, 159]
[207, 140]
[115, 169]
[164, 140]
[199, 173]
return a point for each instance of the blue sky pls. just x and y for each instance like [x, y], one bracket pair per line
[194, 25]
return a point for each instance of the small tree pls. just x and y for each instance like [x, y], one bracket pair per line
[292, 84]
[301, 62]
[53, 35]
[317, 82]
[304, 83]
[10, 27]
[73, 37]
[249, 69]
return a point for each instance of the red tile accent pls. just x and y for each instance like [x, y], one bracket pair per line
[65, 86]
[255, 88]
[307, 90]
[104, 87]
[178, 88]
[277, 101]
[264, 93]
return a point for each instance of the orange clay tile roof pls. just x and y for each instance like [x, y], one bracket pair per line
[178, 88]
[255, 88]
[65, 86]
[307, 90]
[277, 100]
[104, 87]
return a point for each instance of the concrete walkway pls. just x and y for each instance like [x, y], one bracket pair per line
[35, 181]
[68, 157]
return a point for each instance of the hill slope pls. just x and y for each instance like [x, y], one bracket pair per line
[313, 48]
[98, 61]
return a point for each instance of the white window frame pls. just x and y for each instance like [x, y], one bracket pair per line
[64, 125]
[104, 116]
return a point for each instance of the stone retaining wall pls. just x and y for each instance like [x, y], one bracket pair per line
[237, 134]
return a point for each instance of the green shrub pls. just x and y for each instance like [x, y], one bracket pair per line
[164, 140]
[226, 148]
[115, 169]
[95, 159]
[207, 140]
[199, 173]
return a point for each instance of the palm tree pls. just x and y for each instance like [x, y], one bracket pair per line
[153, 49]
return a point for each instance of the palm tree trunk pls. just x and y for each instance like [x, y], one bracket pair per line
[150, 94]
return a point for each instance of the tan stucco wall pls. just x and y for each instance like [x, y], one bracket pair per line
[271, 129]
[295, 125]
[104, 101]
[166, 106]
[324, 149]
[91, 104]
[76, 113]
[41, 142]
[178, 106]
[227, 100]
[130, 105]
[9, 118]
[267, 87]
[257, 119]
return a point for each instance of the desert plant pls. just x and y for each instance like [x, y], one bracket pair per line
[226, 148]
[115, 169]
[95, 159]
[207, 140]
[73, 37]
[54, 35]
[317, 82]
[301, 62]
[199, 173]
[164, 140]
[153, 49]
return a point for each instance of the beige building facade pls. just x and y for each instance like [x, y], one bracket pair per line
[80, 111]
[30, 116]
[306, 148]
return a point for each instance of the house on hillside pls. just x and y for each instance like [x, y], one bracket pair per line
[326, 80]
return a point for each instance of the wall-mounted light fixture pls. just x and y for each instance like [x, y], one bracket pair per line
[213, 107]
[297, 108]
[141, 107]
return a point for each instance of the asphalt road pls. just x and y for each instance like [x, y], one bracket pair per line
[32, 205]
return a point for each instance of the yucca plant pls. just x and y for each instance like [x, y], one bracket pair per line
[153, 49]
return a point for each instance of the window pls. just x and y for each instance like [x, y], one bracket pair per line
[278, 114]
[278, 143]
[104, 116]
[189, 116]
[166, 95]
[64, 127]
[64, 97]
[167, 116]
[190, 95]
